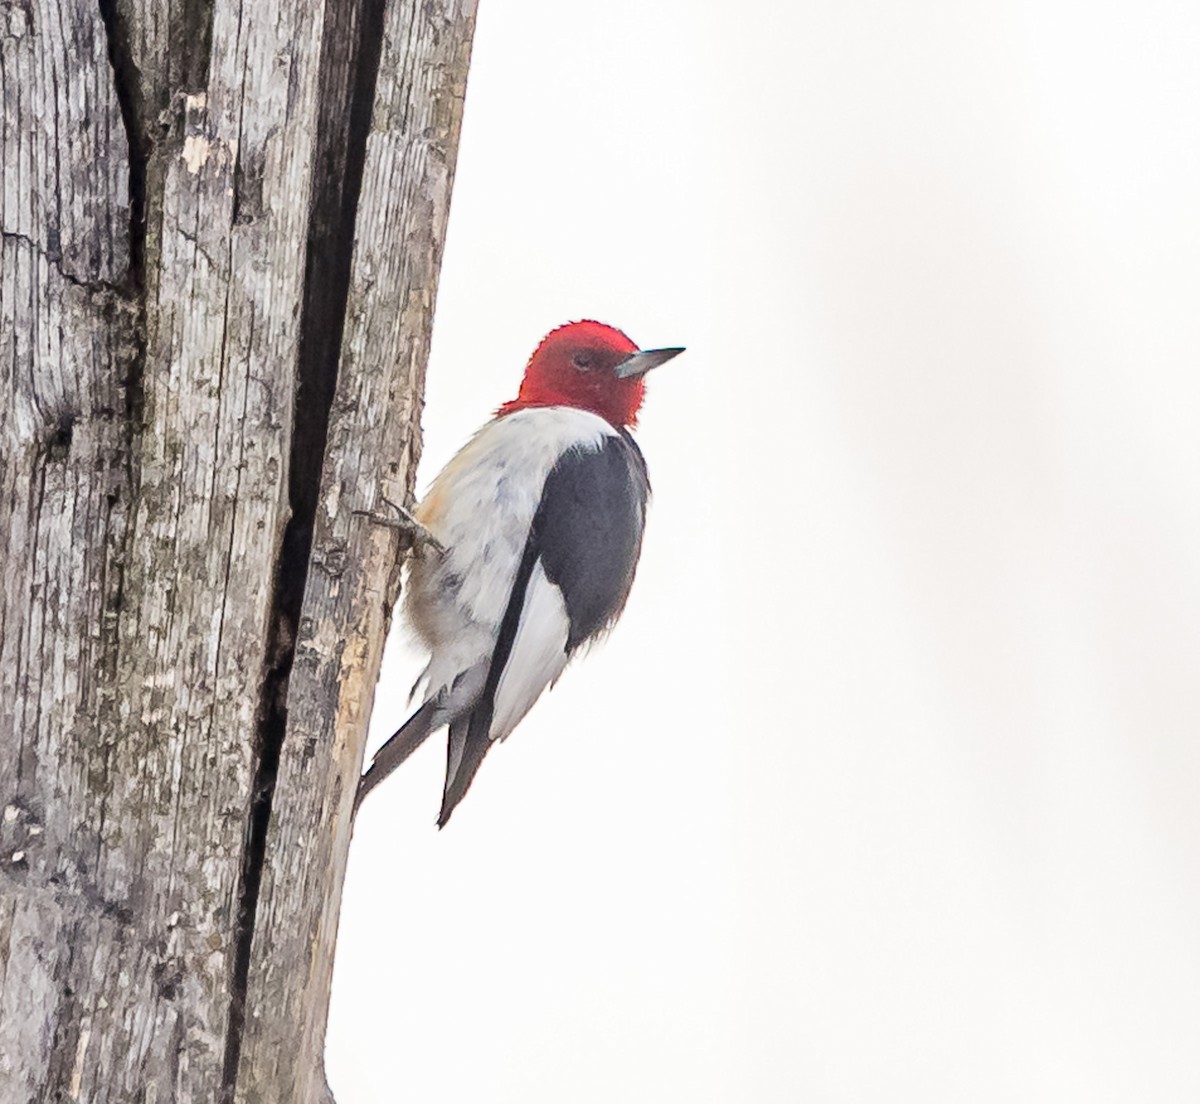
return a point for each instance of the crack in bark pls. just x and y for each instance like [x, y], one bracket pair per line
[131, 344]
[341, 145]
[55, 260]
[130, 101]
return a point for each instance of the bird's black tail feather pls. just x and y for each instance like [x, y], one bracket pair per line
[469, 743]
[402, 744]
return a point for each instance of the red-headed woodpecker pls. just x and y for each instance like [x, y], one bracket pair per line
[531, 536]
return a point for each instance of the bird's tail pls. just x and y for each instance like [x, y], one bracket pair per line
[469, 743]
[399, 747]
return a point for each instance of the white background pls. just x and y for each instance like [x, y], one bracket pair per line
[887, 787]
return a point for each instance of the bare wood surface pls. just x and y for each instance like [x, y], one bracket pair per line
[66, 344]
[167, 211]
[373, 448]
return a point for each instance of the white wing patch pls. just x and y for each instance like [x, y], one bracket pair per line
[538, 656]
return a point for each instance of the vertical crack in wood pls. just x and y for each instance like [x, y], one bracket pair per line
[129, 99]
[341, 144]
[192, 29]
[131, 328]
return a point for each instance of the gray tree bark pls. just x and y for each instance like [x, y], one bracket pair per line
[222, 223]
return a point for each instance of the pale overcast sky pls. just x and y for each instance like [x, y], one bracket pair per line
[885, 788]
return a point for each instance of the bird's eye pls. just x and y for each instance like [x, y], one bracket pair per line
[582, 361]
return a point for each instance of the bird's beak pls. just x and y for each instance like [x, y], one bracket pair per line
[639, 363]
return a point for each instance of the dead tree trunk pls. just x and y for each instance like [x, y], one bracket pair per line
[222, 226]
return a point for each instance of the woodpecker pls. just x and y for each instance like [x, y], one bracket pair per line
[525, 547]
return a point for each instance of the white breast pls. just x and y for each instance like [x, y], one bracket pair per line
[480, 507]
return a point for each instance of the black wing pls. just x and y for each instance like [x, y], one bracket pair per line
[588, 531]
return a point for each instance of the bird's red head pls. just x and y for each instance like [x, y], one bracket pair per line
[590, 366]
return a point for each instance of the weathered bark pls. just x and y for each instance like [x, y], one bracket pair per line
[191, 616]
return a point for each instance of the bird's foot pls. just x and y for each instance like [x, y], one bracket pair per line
[419, 538]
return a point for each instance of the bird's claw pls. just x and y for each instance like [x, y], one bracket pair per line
[419, 538]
